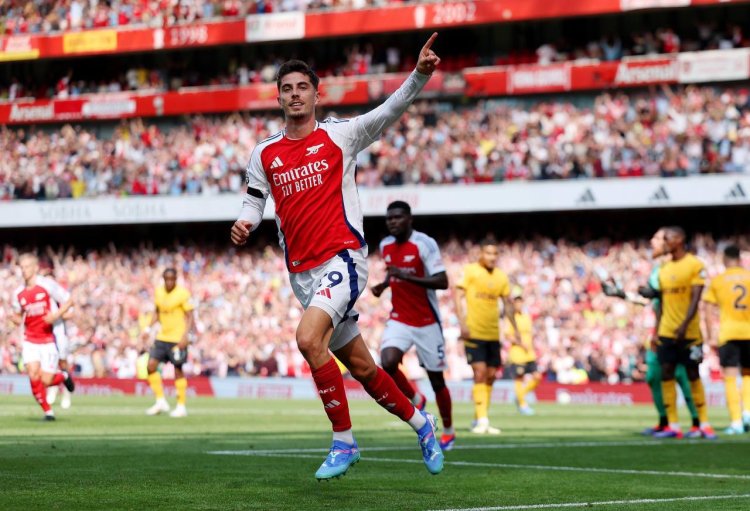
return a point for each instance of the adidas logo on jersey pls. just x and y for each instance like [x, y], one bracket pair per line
[313, 149]
[276, 163]
[324, 292]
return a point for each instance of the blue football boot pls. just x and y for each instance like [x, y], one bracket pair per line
[339, 459]
[431, 452]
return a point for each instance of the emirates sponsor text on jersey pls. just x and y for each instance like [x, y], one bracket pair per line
[301, 178]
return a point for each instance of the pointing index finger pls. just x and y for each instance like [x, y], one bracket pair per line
[429, 42]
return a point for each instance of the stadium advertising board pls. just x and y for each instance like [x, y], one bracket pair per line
[510, 197]
[315, 25]
[304, 388]
[473, 82]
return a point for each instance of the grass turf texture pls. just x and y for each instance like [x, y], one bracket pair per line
[104, 453]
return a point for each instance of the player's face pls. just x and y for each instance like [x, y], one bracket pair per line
[518, 305]
[488, 256]
[29, 268]
[297, 96]
[658, 245]
[672, 241]
[397, 221]
[170, 281]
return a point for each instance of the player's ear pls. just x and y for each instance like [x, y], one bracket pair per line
[317, 96]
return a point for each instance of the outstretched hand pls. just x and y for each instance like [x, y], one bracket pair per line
[428, 60]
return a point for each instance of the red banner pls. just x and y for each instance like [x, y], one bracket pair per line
[286, 26]
[112, 386]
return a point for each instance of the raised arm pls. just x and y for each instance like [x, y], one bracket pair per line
[370, 125]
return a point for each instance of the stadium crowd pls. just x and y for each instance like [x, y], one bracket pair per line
[246, 311]
[367, 59]
[695, 130]
[46, 16]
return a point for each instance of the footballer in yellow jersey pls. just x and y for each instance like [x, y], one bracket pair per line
[681, 282]
[730, 293]
[523, 366]
[174, 312]
[477, 307]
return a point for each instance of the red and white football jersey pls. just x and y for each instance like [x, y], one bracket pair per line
[34, 303]
[312, 181]
[413, 304]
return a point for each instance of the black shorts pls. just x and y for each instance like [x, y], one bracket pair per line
[519, 370]
[168, 352]
[735, 353]
[688, 352]
[483, 351]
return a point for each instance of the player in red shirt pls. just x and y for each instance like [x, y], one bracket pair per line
[32, 306]
[309, 169]
[415, 271]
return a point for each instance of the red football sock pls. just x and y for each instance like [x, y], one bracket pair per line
[330, 386]
[404, 384]
[40, 394]
[57, 380]
[443, 398]
[386, 393]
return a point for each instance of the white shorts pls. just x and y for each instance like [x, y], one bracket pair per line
[428, 340]
[334, 286]
[46, 354]
[61, 340]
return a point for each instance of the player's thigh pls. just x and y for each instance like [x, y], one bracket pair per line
[398, 335]
[159, 351]
[177, 355]
[39, 358]
[667, 351]
[334, 286]
[49, 358]
[744, 347]
[430, 347]
[729, 354]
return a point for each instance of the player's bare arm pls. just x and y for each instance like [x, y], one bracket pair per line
[460, 301]
[52, 317]
[508, 309]
[189, 330]
[378, 289]
[695, 298]
[437, 281]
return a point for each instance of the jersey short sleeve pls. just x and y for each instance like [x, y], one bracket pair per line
[699, 273]
[505, 285]
[710, 295]
[54, 289]
[430, 254]
[255, 176]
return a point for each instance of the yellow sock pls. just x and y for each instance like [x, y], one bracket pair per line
[180, 385]
[154, 379]
[488, 390]
[669, 392]
[699, 398]
[480, 400]
[520, 393]
[733, 398]
[746, 393]
[531, 385]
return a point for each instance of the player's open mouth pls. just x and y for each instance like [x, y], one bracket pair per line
[296, 104]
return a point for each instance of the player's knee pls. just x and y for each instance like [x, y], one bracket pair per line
[310, 345]
[363, 372]
[47, 379]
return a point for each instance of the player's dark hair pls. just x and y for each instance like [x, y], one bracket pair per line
[169, 270]
[399, 204]
[296, 66]
[676, 230]
[488, 241]
[732, 252]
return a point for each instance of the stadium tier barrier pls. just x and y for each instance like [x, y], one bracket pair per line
[304, 388]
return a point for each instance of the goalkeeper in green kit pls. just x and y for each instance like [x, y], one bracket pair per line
[652, 293]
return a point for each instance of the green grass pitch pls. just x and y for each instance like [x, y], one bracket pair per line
[105, 454]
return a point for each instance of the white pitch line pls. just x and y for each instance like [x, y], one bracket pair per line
[603, 503]
[522, 445]
[554, 468]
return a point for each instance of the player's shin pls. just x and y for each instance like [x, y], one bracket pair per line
[520, 392]
[386, 393]
[699, 397]
[330, 385]
[669, 391]
[154, 381]
[733, 399]
[404, 384]
[445, 406]
[746, 394]
[479, 393]
[40, 394]
[181, 385]
[57, 379]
